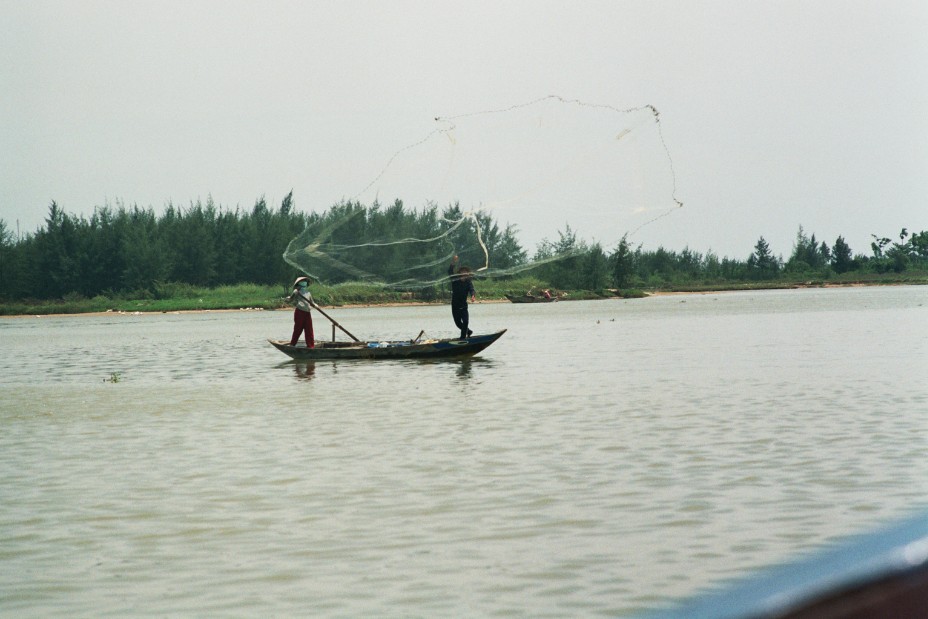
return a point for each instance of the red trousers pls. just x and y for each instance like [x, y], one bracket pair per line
[303, 322]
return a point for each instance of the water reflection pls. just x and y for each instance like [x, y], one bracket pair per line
[463, 368]
[304, 370]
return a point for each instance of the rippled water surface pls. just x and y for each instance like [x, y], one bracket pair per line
[601, 458]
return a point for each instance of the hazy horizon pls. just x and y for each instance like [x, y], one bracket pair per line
[776, 115]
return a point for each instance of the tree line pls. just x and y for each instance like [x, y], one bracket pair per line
[130, 249]
[810, 259]
[591, 267]
[125, 251]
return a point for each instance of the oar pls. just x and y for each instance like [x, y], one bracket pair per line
[319, 309]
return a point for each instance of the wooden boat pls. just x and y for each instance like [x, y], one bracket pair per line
[400, 349]
[530, 298]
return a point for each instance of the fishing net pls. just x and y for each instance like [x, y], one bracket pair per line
[507, 190]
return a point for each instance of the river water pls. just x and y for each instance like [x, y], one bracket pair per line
[602, 458]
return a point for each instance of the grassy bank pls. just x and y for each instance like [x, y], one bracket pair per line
[170, 297]
[181, 297]
[846, 279]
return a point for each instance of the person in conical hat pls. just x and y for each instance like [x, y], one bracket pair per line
[302, 318]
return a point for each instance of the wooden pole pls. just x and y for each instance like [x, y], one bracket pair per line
[334, 323]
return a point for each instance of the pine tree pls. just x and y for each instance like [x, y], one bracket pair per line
[762, 264]
[841, 258]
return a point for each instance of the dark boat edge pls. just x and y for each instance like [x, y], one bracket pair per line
[882, 573]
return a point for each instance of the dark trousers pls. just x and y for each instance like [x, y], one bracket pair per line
[302, 323]
[461, 319]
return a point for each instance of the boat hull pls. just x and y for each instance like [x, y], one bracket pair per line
[429, 349]
[513, 298]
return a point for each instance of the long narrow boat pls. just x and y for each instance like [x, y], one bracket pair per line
[400, 349]
[529, 298]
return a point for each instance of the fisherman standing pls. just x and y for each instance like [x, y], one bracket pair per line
[302, 319]
[462, 287]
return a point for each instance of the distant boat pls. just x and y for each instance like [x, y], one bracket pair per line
[397, 349]
[530, 298]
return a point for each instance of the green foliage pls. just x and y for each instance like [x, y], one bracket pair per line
[911, 251]
[346, 244]
[562, 263]
[594, 269]
[349, 293]
[175, 290]
[841, 260]
[762, 264]
[808, 256]
[122, 249]
[622, 261]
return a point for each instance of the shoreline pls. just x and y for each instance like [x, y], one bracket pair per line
[657, 293]
[242, 309]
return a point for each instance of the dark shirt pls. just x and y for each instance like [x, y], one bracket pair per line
[461, 288]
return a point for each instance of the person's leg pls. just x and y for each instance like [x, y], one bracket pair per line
[465, 319]
[297, 328]
[310, 336]
[458, 320]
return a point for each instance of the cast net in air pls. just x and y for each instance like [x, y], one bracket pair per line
[506, 190]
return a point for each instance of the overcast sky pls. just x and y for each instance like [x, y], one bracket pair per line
[776, 114]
